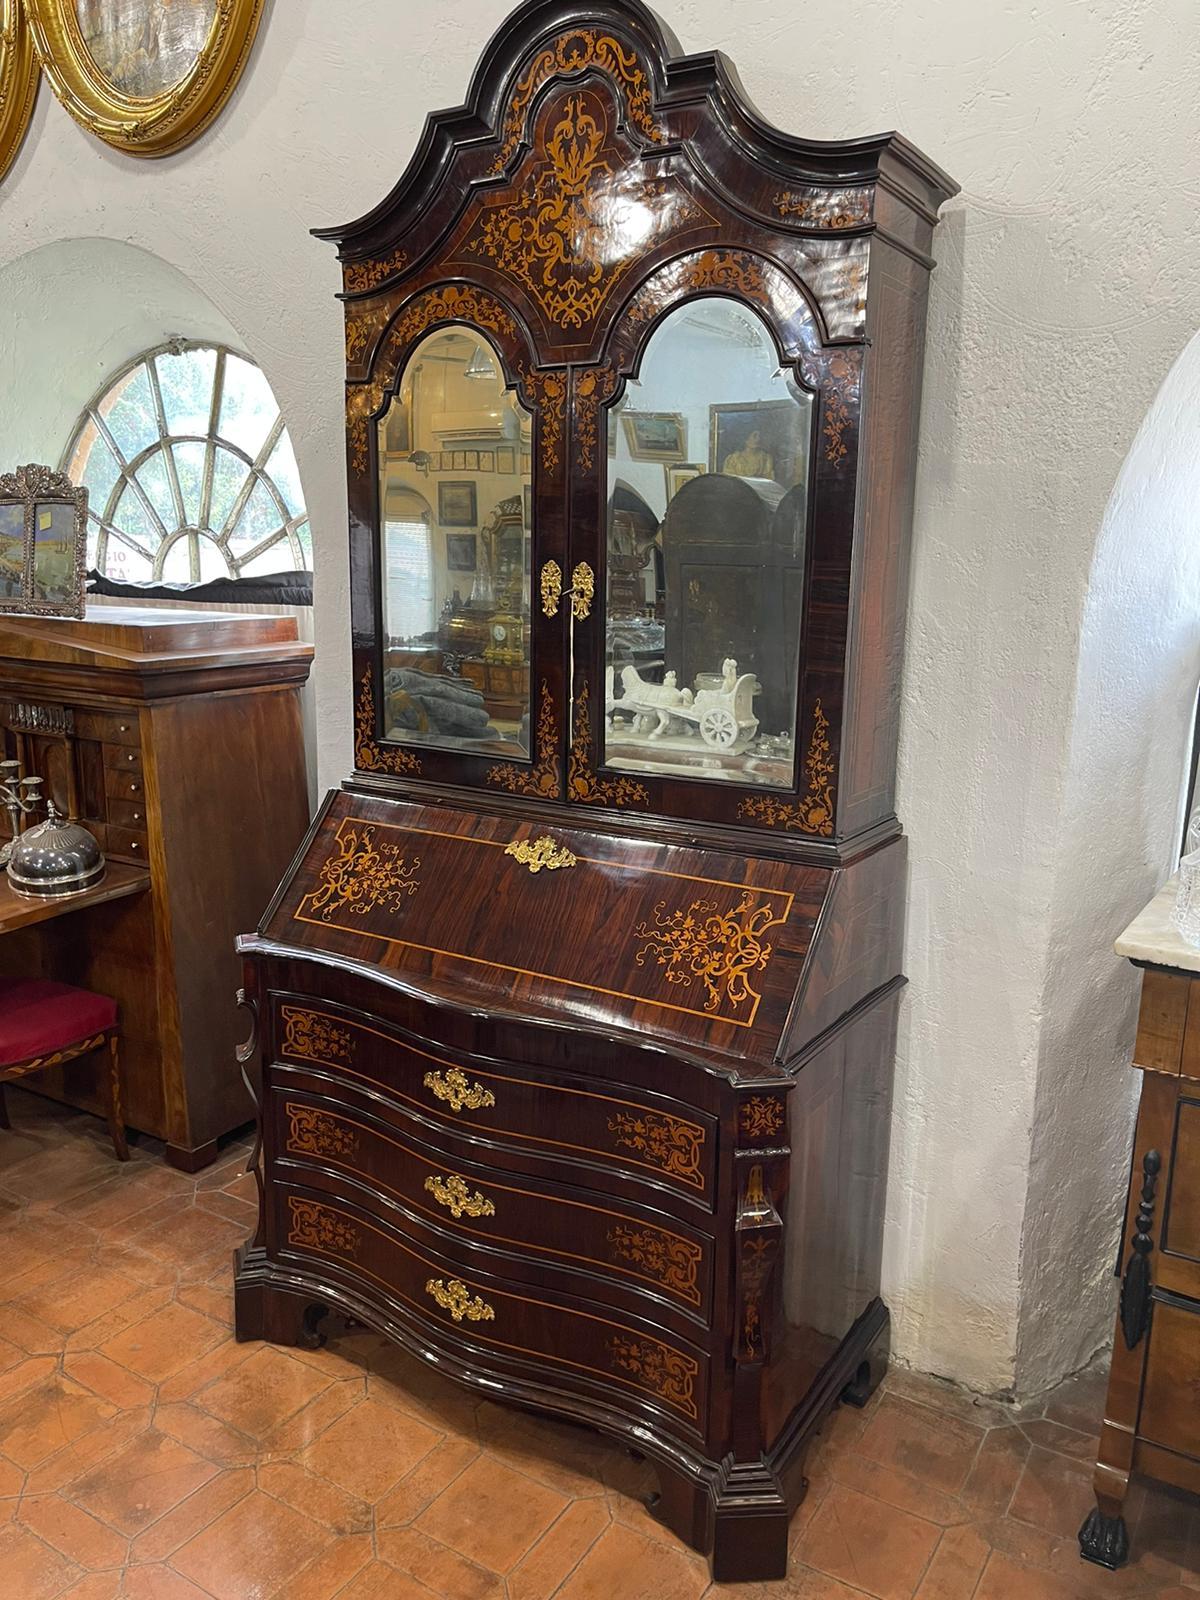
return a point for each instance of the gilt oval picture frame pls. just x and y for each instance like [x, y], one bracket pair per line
[146, 76]
[18, 81]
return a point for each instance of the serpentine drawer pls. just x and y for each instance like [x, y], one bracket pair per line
[581, 1241]
[549, 1117]
[459, 1308]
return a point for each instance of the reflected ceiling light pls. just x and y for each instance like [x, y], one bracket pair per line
[481, 365]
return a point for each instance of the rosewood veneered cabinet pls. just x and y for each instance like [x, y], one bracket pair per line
[575, 1015]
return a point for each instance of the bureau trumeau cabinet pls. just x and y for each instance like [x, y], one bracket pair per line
[575, 1015]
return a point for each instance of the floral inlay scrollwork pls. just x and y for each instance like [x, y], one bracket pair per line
[720, 948]
[835, 208]
[582, 783]
[312, 1036]
[593, 386]
[814, 812]
[316, 1227]
[758, 1257]
[359, 275]
[362, 876]
[838, 394]
[548, 389]
[667, 1373]
[316, 1133]
[575, 52]
[358, 331]
[542, 778]
[368, 755]
[761, 1116]
[671, 1143]
[665, 1257]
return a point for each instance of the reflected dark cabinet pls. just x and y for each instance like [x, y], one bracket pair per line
[575, 1014]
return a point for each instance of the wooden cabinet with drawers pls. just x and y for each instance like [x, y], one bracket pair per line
[1151, 1419]
[175, 737]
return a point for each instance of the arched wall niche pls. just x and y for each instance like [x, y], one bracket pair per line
[1139, 658]
[72, 313]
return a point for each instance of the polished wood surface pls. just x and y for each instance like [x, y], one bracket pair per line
[176, 739]
[1149, 1425]
[20, 911]
[639, 1029]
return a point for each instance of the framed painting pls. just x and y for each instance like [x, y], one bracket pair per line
[760, 439]
[456, 504]
[146, 76]
[655, 435]
[43, 543]
[460, 552]
[681, 472]
[18, 81]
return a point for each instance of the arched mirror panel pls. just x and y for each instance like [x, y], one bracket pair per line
[455, 513]
[709, 452]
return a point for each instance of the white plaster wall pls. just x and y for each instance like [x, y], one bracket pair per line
[1069, 281]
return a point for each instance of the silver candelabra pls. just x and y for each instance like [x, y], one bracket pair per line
[19, 796]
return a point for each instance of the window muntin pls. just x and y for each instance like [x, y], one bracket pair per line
[190, 472]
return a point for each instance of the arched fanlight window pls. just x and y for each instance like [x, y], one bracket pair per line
[189, 470]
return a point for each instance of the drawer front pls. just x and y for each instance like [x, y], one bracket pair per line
[128, 814]
[110, 727]
[128, 843]
[1172, 1374]
[672, 1148]
[1178, 1268]
[543, 1230]
[563, 1342]
[123, 785]
[123, 760]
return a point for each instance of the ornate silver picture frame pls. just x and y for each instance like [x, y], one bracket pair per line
[43, 543]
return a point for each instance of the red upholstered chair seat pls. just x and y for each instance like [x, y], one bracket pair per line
[38, 1017]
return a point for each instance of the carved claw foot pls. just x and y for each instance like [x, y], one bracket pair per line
[1104, 1540]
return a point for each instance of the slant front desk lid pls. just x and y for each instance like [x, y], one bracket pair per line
[689, 946]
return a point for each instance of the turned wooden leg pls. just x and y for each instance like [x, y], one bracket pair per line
[4, 1122]
[112, 1099]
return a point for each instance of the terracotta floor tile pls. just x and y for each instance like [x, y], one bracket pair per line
[447, 1573]
[569, 1460]
[96, 1586]
[316, 1418]
[622, 1565]
[24, 1375]
[198, 1375]
[262, 1391]
[10, 1355]
[1061, 1440]
[559, 1551]
[1009, 1580]
[38, 1423]
[35, 1337]
[81, 1456]
[72, 1532]
[332, 1570]
[32, 1569]
[252, 1550]
[123, 1197]
[315, 1497]
[491, 1514]
[160, 1583]
[939, 1450]
[71, 1303]
[424, 1482]
[214, 1302]
[180, 1240]
[193, 1515]
[214, 1440]
[996, 1470]
[105, 1378]
[956, 1567]
[12, 1479]
[369, 1449]
[379, 1581]
[93, 1335]
[1078, 1402]
[142, 1482]
[164, 1343]
[871, 1546]
[896, 1488]
[1055, 1493]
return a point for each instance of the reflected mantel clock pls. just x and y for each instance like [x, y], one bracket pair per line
[575, 1016]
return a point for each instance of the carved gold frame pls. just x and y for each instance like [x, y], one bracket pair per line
[18, 81]
[165, 122]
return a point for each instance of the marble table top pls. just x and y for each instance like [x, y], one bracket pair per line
[1152, 937]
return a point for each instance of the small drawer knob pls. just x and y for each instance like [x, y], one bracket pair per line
[124, 727]
[133, 845]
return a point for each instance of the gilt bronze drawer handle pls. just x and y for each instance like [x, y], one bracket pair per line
[458, 1300]
[551, 588]
[453, 1088]
[541, 853]
[452, 1192]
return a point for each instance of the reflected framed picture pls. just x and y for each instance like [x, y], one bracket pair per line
[456, 505]
[527, 504]
[146, 76]
[43, 543]
[487, 461]
[506, 458]
[460, 552]
[680, 473]
[655, 435]
[761, 439]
